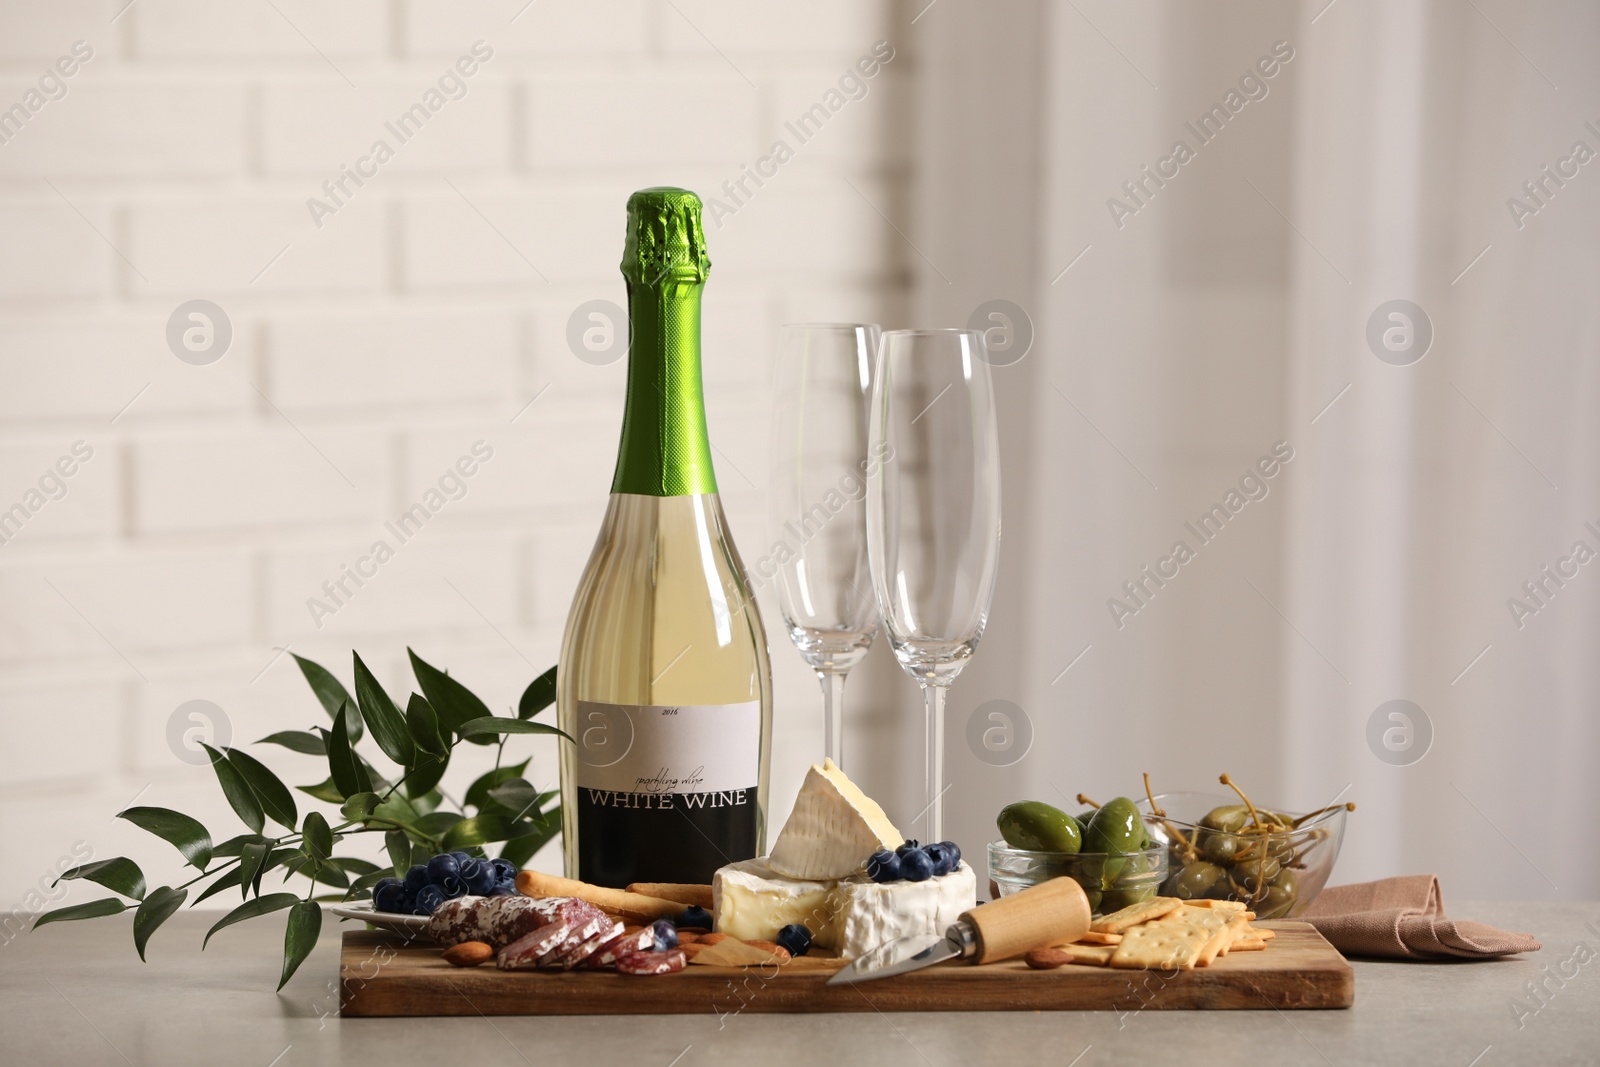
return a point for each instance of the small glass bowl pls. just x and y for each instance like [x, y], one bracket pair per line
[1277, 874]
[1111, 882]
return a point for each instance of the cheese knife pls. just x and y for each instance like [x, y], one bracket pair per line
[1050, 913]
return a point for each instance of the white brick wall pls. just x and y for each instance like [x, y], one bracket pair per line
[374, 350]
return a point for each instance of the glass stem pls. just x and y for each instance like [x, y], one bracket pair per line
[833, 715]
[934, 697]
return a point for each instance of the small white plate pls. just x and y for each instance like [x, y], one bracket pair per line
[412, 925]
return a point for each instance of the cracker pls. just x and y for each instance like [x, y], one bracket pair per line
[1159, 946]
[1092, 955]
[1263, 933]
[1092, 938]
[1220, 940]
[1245, 943]
[732, 953]
[1134, 914]
[1217, 905]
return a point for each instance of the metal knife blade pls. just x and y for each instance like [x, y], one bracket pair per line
[902, 956]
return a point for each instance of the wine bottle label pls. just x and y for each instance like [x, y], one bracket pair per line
[666, 789]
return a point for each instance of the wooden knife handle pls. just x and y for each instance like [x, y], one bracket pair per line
[1050, 913]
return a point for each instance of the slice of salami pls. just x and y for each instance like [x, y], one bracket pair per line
[655, 961]
[509, 919]
[640, 940]
[525, 953]
[580, 932]
[449, 925]
[571, 957]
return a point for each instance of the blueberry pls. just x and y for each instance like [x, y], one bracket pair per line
[504, 870]
[939, 856]
[696, 916]
[910, 846]
[416, 878]
[429, 898]
[955, 853]
[461, 857]
[478, 876]
[883, 866]
[389, 898]
[442, 867]
[453, 887]
[665, 934]
[795, 938]
[916, 866]
[504, 889]
[381, 882]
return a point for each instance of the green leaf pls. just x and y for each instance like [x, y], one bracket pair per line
[119, 875]
[366, 882]
[426, 802]
[399, 848]
[358, 807]
[353, 865]
[349, 774]
[94, 909]
[250, 909]
[333, 695]
[421, 780]
[388, 726]
[274, 796]
[540, 694]
[454, 702]
[156, 909]
[252, 863]
[300, 937]
[519, 850]
[303, 741]
[435, 823]
[478, 830]
[234, 845]
[278, 857]
[324, 791]
[423, 722]
[227, 881]
[325, 873]
[520, 798]
[493, 724]
[177, 829]
[316, 836]
[478, 792]
[240, 796]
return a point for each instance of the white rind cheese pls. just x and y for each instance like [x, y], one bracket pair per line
[832, 830]
[750, 900]
[878, 912]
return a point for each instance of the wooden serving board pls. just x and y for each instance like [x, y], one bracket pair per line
[380, 974]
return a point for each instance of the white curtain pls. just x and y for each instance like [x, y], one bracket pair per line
[1180, 342]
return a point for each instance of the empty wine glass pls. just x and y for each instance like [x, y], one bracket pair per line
[933, 514]
[817, 518]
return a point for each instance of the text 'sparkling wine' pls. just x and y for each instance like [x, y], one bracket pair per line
[664, 680]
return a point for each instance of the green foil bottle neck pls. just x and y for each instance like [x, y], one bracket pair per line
[665, 449]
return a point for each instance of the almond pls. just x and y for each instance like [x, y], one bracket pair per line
[691, 950]
[1045, 959]
[469, 954]
[710, 939]
[687, 937]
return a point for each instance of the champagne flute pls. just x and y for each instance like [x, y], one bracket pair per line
[933, 514]
[816, 512]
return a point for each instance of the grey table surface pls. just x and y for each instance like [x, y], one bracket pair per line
[76, 993]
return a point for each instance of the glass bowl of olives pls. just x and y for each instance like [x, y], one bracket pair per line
[1110, 852]
[1222, 849]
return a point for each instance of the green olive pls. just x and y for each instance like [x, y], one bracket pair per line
[1116, 829]
[1196, 880]
[1229, 818]
[1035, 826]
[1094, 896]
[1218, 847]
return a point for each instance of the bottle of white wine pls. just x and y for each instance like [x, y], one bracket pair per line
[664, 678]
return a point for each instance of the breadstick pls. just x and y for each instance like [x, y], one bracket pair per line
[688, 895]
[630, 906]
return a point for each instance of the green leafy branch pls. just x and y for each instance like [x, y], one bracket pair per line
[506, 808]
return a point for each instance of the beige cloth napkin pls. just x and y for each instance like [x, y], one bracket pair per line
[1403, 918]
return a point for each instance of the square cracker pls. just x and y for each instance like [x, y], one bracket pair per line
[1134, 914]
[1245, 942]
[1092, 955]
[1218, 905]
[1092, 938]
[1161, 946]
[1221, 939]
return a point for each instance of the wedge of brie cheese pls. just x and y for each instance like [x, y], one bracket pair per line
[832, 830]
[873, 913]
[751, 901]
